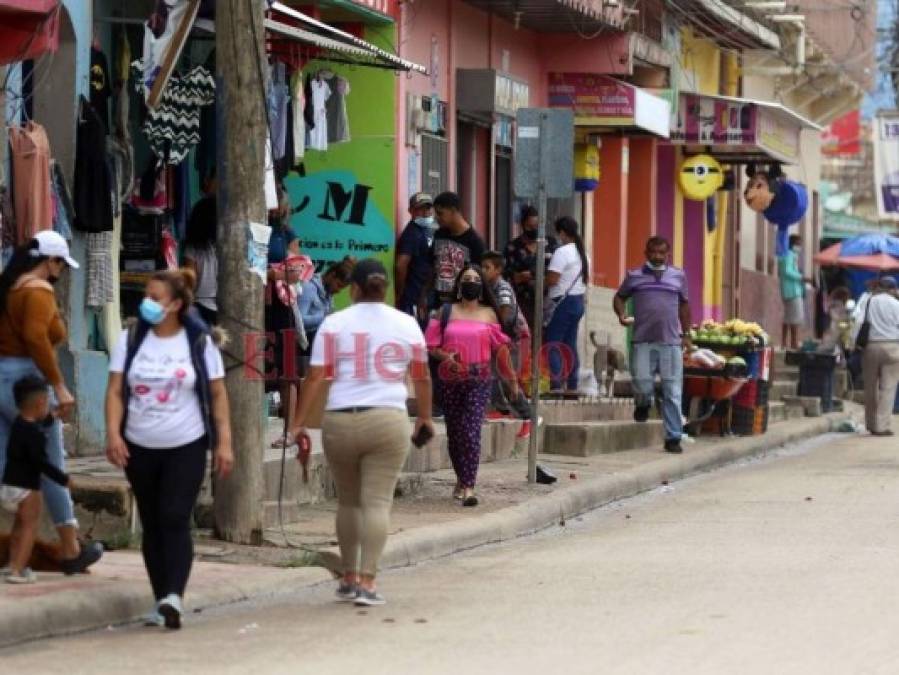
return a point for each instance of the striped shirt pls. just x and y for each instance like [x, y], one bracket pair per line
[657, 300]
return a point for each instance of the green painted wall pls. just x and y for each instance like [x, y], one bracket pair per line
[368, 159]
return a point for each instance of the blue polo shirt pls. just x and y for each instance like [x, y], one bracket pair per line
[657, 300]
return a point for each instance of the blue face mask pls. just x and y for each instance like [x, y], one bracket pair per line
[151, 311]
[656, 268]
[426, 222]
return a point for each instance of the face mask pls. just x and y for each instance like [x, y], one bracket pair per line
[52, 278]
[470, 290]
[796, 249]
[530, 235]
[656, 268]
[426, 222]
[151, 311]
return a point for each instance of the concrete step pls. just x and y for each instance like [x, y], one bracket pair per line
[584, 439]
[781, 388]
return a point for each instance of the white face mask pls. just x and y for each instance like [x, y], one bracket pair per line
[656, 268]
[426, 222]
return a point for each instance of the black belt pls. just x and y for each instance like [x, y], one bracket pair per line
[354, 409]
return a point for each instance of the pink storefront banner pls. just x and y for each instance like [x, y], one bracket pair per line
[595, 99]
[709, 120]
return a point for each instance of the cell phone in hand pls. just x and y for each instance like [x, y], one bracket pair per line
[421, 438]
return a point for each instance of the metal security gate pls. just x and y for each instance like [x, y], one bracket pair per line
[434, 164]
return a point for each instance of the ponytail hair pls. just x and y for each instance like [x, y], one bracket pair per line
[24, 259]
[181, 283]
[570, 227]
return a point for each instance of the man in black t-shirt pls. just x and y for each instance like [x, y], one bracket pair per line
[455, 245]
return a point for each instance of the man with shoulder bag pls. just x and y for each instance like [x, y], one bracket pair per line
[878, 338]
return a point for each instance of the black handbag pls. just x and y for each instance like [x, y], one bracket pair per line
[864, 333]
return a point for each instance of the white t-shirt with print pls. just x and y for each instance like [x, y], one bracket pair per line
[567, 262]
[163, 408]
[370, 346]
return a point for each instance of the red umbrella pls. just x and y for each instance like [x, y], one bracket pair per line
[876, 262]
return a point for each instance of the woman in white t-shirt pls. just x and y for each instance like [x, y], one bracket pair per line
[360, 359]
[566, 283]
[166, 406]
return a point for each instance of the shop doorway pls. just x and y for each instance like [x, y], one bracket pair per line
[504, 200]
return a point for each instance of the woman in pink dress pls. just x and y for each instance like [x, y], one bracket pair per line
[464, 337]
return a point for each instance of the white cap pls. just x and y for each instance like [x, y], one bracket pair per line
[52, 245]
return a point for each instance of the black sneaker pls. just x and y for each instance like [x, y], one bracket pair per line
[91, 552]
[674, 447]
[369, 599]
[641, 413]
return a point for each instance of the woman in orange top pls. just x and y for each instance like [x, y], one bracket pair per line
[31, 329]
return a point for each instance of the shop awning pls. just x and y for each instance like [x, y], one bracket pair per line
[28, 28]
[317, 33]
[603, 103]
[739, 130]
[726, 25]
[557, 16]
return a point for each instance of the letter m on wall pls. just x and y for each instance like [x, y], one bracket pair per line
[337, 200]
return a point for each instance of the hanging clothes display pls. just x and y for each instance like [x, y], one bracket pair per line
[63, 212]
[318, 136]
[100, 87]
[278, 97]
[122, 101]
[173, 127]
[338, 121]
[93, 184]
[111, 316]
[298, 123]
[100, 288]
[32, 200]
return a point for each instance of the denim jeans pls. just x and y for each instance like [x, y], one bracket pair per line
[562, 330]
[666, 361]
[57, 498]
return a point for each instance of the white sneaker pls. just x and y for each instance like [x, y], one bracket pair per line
[27, 576]
[154, 618]
[171, 610]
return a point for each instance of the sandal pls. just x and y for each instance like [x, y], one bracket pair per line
[470, 501]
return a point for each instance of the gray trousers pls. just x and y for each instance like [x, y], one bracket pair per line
[880, 369]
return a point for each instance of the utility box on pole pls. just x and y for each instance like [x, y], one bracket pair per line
[544, 168]
[242, 137]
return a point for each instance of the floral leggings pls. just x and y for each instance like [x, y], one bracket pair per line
[464, 406]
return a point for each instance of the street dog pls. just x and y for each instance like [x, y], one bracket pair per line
[607, 360]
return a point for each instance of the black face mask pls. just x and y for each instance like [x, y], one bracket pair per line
[470, 290]
[48, 420]
[52, 278]
[530, 235]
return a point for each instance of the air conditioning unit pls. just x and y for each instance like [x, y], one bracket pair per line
[424, 114]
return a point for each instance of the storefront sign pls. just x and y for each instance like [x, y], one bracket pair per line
[886, 163]
[334, 215]
[777, 135]
[738, 127]
[603, 101]
[595, 99]
[843, 137]
[707, 120]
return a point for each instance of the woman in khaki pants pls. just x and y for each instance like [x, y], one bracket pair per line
[360, 358]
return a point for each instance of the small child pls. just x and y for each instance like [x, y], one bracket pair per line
[26, 460]
[513, 325]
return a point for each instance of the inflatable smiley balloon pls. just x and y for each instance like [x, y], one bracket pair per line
[700, 177]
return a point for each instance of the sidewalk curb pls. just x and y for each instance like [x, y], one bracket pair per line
[437, 541]
[96, 607]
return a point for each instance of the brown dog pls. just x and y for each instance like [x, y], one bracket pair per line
[606, 362]
[45, 557]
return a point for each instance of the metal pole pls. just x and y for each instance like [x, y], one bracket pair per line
[537, 328]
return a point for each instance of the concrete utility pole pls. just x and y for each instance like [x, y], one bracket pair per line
[241, 137]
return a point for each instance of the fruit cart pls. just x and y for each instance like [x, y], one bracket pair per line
[735, 399]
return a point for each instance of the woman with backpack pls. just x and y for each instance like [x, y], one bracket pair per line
[166, 406]
[464, 338]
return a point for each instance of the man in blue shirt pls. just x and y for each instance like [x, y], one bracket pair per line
[661, 324]
[414, 267]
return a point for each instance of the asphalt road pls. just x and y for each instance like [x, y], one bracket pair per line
[786, 565]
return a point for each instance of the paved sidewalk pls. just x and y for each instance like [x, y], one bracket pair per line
[425, 526]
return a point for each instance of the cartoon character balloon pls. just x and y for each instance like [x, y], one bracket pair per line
[782, 202]
[700, 177]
